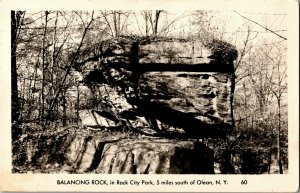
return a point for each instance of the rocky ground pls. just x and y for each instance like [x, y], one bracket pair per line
[82, 150]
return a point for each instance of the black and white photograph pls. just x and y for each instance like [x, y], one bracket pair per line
[150, 92]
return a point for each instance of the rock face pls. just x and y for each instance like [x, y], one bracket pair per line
[206, 96]
[156, 157]
[179, 83]
[139, 156]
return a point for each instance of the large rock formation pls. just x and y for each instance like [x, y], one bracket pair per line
[175, 82]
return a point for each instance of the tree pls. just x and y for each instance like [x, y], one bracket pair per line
[116, 21]
[44, 47]
[47, 40]
[16, 22]
[151, 19]
[74, 57]
[279, 89]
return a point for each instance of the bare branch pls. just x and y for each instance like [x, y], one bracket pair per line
[70, 66]
[261, 26]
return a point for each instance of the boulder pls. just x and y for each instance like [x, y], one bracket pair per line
[178, 82]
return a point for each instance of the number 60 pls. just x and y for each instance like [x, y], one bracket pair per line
[244, 182]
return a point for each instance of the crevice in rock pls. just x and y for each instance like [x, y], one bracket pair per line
[147, 169]
[111, 164]
[97, 157]
[133, 165]
[83, 149]
[123, 167]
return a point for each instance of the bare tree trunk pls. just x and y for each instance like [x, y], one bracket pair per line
[271, 148]
[64, 109]
[278, 138]
[34, 83]
[29, 99]
[15, 19]
[157, 13]
[43, 65]
[23, 93]
[146, 21]
[53, 58]
[119, 22]
[115, 23]
[78, 103]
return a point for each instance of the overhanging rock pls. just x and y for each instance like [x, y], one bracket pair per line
[176, 82]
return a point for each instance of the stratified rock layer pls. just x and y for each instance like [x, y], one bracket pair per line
[205, 95]
[177, 82]
[138, 156]
[156, 157]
